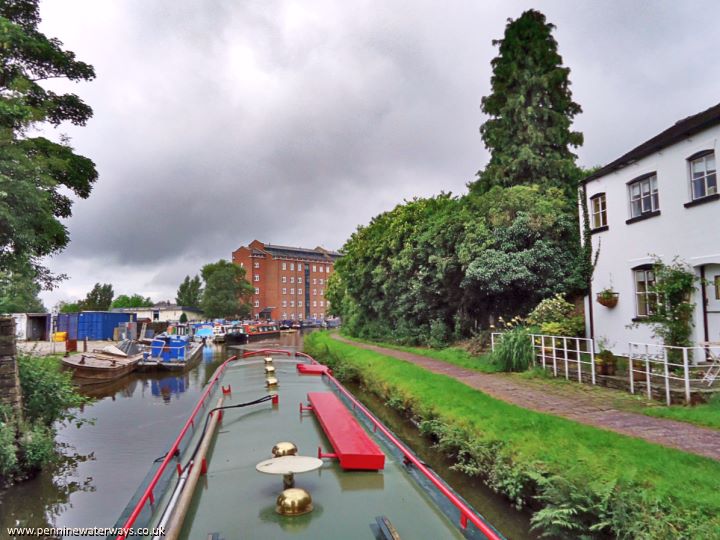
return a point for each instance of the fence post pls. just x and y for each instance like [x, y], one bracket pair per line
[686, 375]
[492, 341]
[579, 358]
[647, 371]
[565, 355]
[592, 359]
[630, 368]
[542, 344]
[554, 357]
[667, 377]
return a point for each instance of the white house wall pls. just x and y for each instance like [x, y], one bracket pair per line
[692, 234]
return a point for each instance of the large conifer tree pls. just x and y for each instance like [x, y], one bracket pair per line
[531, 111]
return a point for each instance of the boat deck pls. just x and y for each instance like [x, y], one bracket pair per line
[235, 501]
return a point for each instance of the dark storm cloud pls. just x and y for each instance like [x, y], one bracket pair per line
[293, 122]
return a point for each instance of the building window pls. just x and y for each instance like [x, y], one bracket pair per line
[314, 292]
[299, 303]
[321, 281]
[322, 268]
[322, 303]
[257, 303]
[717, 287]
[314, 268]
[327, 269]
[284, 266]
[283, 279]
[703, 178]
[292, 279]
[257, 277]
[643, 196]
[322, 291]
[322, 315]
[256, 264]
[645, 297]
[284, 290]
[292, 303]
[599, 211]
[257, 290]
[300, 267]
[314, 315]
[242, 265]
[292, 316]
[314, 281]
[299, 291]
[284, 303]
[292, 290]
[292, 266]
[284, 315]
[314, 303]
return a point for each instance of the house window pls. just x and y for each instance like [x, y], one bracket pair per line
[292, 290]
[643, 196]
[314, 292]
[299, 291]
[284, 290]
[284, 303]
[292, 279]
[292, 266]
[257, 277]
[599, 211]
[256, 264]
[257, 303]
[322, 291]
[322, 303]
[645, 297]
[292, 303]
[703, 178]
[717, 287]
[299, 267]
[283, 279]
[314, 303]
[257, 290]
[284, 266]
[314, 281]
[314, 268]
[321, 281]
[322, 268]
[299, 303]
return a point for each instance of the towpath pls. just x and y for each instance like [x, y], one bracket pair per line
[580, 407]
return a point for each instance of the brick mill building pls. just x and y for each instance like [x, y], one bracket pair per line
[290, 282]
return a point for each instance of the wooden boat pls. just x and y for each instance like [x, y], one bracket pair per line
[258, 469]
[101, 366]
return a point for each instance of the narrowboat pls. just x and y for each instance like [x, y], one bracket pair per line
[256, 332]
[171, 352]
[102, 365]
[276, 447]
[236, 335]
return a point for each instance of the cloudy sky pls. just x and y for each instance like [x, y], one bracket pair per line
[218, 122]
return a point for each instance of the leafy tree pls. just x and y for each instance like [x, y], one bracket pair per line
[98, 299]
[68, 307]
[36, 174]
[189, 292]
[226, 291]
[183, 317]
[134, 301]
[531, 111]
[19, 293]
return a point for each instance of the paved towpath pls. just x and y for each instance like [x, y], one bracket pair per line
[586, 409]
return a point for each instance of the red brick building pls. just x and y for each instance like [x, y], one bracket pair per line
[290, 283]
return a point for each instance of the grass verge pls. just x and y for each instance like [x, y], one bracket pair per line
[580, 481]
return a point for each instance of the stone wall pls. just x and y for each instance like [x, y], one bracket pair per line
[9, 381]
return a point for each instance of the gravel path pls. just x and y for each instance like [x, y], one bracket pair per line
[578, 407]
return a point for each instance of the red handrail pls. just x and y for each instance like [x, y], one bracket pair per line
[465, 512]
[148, 494]
[266, 351]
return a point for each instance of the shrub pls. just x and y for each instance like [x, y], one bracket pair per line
[515, 351]
[47, 392]
[8, 456]
[570, 327]
[554, 309]
[37, 447]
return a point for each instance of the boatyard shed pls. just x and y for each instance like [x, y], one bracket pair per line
[163, 312]
[32, 326]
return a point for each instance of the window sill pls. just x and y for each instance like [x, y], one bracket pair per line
[640, 319]
[599, 229]
[643, 217]
[702, 200]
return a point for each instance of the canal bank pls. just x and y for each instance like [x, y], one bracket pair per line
[576, 479]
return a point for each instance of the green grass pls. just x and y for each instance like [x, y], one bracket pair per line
[451, 355]
[707, 415]
[540, 441]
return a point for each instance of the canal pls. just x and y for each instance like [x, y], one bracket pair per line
[133, 421]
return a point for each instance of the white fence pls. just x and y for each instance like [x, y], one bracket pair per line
[661, 369]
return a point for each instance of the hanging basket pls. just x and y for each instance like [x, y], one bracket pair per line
[608, 300]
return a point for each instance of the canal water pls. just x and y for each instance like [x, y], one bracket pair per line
[133, 421]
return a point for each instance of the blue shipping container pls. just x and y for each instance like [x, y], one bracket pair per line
[68, 322]
[99, 325]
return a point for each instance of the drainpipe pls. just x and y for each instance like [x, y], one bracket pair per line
[704, 300]
[588, 238]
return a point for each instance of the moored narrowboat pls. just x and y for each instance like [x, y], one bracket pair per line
[276, 447]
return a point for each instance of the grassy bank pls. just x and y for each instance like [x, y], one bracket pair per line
[579, 480]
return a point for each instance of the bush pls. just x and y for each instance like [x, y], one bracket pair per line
[570, 327]
[47, 392]
[8, 456]
[37, 447]
[515, 351]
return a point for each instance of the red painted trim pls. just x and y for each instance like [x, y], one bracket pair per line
[248, 354]
[148, 494]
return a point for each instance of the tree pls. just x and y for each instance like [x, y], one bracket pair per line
[19, 293]
[68, 307]
[98, 299]
[134, 301]
[189, 292]
[531, 111]
[226, 290]
[36, 174]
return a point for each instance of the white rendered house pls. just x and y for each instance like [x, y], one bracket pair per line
[660, 199]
